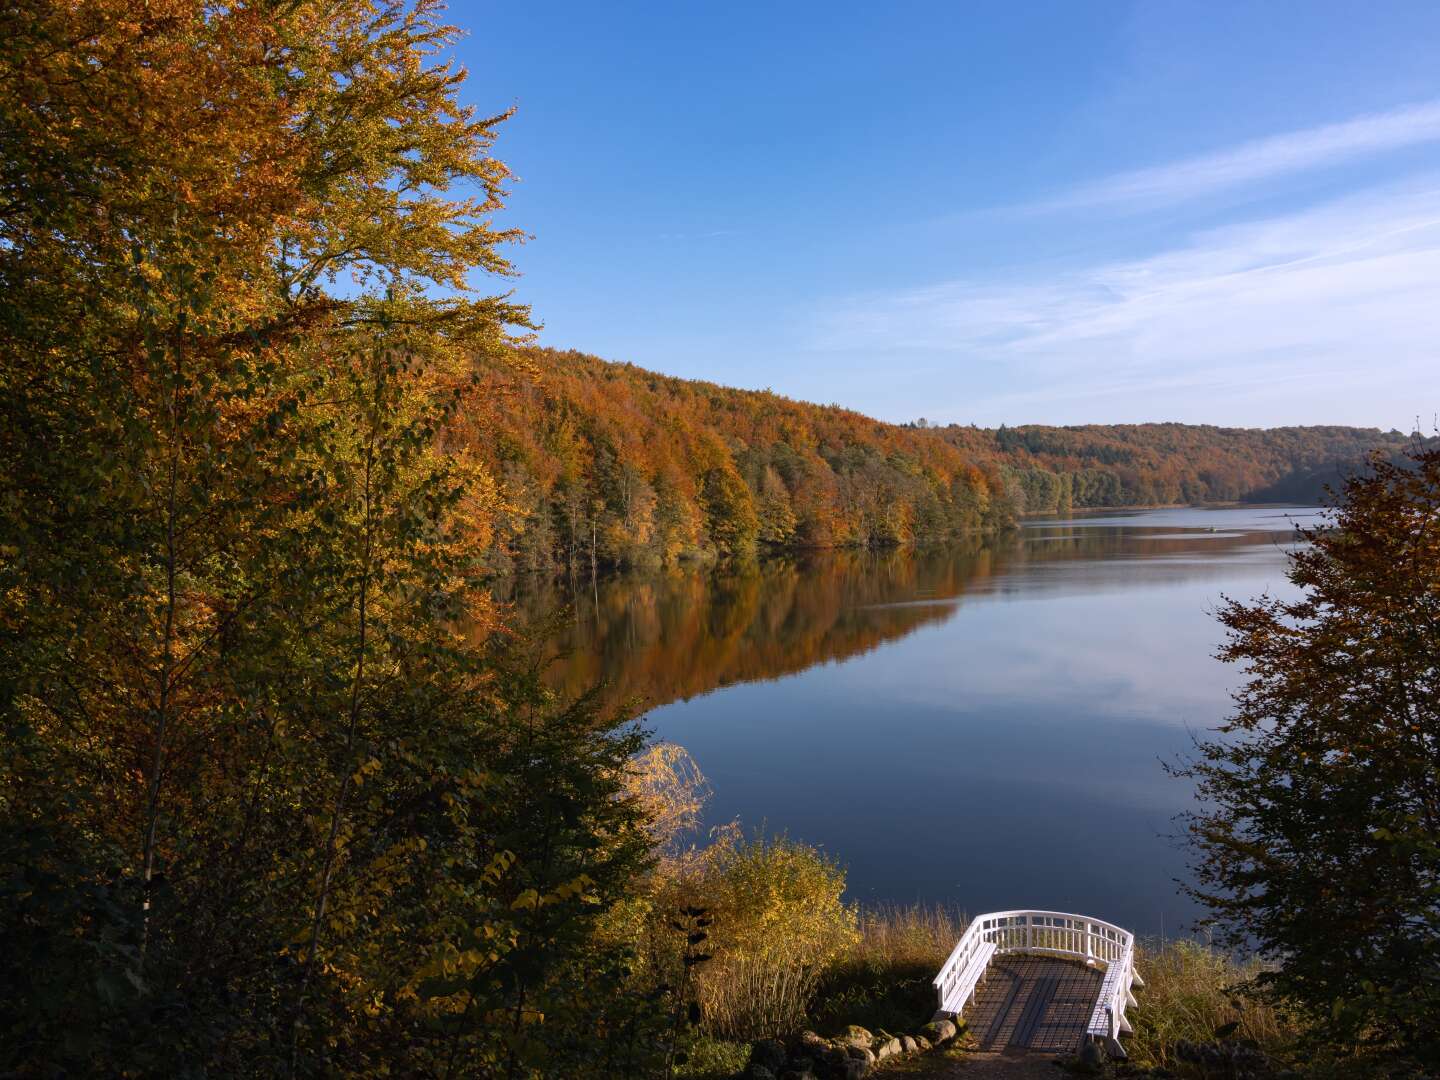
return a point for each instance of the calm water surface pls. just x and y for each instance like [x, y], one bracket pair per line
[980, 725]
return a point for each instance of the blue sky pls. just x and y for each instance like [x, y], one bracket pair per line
[1041, 212]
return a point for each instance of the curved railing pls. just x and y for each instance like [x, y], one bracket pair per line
[1047, 933]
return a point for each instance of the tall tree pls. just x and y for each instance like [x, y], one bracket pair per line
[1319, 837]
[253, 779]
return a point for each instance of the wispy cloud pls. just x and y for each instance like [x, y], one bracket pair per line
[1260, 159]
[1327, 307]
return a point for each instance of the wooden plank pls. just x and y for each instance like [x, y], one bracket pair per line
[1042, 992]
[1068, 1013]
[1047, 993]
[1002, 1012]
[1034, 1003]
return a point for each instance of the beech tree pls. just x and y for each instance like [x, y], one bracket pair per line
[1319, 838]
[264, 808]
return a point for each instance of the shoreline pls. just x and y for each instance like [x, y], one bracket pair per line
[765, 553]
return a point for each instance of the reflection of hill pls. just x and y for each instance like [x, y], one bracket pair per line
[662, 637]
[667, 636]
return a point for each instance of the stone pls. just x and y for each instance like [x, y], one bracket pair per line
[810, 1043]
[836, 1056]
[907, 1045]
[855, 1069]
[1092, 1055]
[922, 1043]
[888, 1048]
[768, 1054]
[939, 1031]
[855, 1035]
[758, 1072]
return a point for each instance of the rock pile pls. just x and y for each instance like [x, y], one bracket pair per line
[847, 1056]
[1235, 1060]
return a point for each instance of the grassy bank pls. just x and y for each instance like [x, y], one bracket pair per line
[880, 979]
[784, 952]
[1191, 994]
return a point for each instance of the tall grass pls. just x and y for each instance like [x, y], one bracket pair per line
[1193, 991]
[884, 979]
[876, 974]
[906, 936]
[747, 997]
[776, 923]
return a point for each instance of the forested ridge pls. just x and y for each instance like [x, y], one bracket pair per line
[1109, 465]
[601, 463]
[613, 462]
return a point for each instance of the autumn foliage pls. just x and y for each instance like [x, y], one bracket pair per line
[278, 797]
[264, 810]
[1099, 465]
[1319, 836]
[602, 464]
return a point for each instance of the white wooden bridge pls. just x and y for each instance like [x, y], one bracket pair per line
[1041, 980]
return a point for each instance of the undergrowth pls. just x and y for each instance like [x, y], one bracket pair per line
[1195, 993]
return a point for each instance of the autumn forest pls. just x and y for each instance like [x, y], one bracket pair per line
[292, 787]
[607, 464]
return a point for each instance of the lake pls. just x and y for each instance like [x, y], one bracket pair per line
[981, 725]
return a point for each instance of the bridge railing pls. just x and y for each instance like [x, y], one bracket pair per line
[1107, 1020]
[1047, 933]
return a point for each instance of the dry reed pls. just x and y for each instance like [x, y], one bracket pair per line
[896, 936]
[1192, 992]
[747, 998]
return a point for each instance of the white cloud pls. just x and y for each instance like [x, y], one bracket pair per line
[1342, 299]
[1260, 159]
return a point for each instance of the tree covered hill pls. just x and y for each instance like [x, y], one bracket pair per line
[1059, 468]
[620, 465]
[602, 463]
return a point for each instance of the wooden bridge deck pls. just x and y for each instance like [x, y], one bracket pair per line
[1033, 1003]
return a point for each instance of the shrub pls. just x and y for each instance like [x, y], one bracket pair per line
[714, 1059]
[776, 924]
[780, 923]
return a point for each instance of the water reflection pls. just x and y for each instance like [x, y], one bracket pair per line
[658, 638]
[978, 724]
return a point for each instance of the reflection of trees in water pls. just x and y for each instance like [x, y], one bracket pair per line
[672, 635]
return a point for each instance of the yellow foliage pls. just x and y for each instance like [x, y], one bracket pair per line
[779, 923]
[669, 786]
[777, 916]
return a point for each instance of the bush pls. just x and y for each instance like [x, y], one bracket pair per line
[776, 923]
[714, 1059]
[780, 923]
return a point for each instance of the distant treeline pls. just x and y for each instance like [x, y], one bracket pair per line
[1096, 465]
[605, 464]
